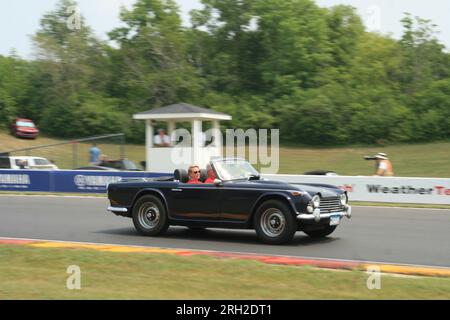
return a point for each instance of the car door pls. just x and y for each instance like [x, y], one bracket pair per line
[238, 199]
[196, 202]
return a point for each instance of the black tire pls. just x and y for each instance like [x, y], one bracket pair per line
[150, 216]
[274, 222]
[321, 233]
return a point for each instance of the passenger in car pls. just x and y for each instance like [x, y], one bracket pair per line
[194, 175]
[211, 174]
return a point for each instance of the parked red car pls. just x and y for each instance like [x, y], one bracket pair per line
[24, 128]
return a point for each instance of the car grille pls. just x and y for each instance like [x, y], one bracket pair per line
[27, 134]
[330, 205]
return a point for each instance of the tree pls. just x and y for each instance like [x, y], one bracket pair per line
[70, 69]
[229, 29]
[423, 57]
[151, 66]
[434, 114]
[313, 72]
[345, 32]
[15, 83]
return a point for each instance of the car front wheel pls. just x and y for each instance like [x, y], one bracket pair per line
[150, 216]
[274, 222]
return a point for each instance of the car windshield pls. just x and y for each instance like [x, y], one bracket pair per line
[129, 165]
[41, 162]
[124, 164]
[233, 169]
[25, 124]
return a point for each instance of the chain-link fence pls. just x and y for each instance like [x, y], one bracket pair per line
[75, 153]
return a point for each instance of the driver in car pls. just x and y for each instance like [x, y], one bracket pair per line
[194, 175]
[211, 174]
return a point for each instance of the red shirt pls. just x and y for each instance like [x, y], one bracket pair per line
[194, 181]
[209, 180]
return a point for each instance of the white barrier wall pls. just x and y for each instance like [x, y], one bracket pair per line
[382, 189]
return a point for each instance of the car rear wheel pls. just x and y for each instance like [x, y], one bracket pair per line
[274, 222]
[320, 233]
[150, 216]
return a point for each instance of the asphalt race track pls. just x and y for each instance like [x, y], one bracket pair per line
[390, 235]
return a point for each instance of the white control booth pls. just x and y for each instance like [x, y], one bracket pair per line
[186, 147]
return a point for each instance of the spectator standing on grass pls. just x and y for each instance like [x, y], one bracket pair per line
[383, 165]
[94, 155]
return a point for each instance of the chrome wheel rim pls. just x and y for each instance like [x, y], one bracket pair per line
[149, 215]
[273, 222]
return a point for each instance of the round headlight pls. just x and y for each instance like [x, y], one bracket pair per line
[344, 199]
[316, 201]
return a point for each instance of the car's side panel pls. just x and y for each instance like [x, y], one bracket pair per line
[237, 201]
[279, 196]
[195, 202]
[154, 191]
[124, 195]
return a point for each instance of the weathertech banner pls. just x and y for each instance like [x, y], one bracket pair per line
[382, 189]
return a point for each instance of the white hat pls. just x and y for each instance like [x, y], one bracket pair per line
[382, 156]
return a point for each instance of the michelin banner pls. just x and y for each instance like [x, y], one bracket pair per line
[24, 180]
[64, 181]
[381, 189]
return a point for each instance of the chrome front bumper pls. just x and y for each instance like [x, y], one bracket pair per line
[118, 209]
[317, 215]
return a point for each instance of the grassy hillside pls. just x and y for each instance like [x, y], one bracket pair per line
[415, 160]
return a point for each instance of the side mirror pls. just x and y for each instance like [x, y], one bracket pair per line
[218, 182]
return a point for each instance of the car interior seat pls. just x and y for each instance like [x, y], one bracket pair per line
[181, 175]
[203, 175]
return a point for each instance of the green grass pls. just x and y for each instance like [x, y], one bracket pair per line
[36, 273]
[409, 160]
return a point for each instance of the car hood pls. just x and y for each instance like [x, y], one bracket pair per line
[312, 189]
[326, 191]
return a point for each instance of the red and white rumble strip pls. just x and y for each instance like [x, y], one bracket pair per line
[269, 259]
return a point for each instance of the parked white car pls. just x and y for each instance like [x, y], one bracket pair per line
[18, 163]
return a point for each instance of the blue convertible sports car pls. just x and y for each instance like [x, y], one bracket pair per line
[238, 198]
